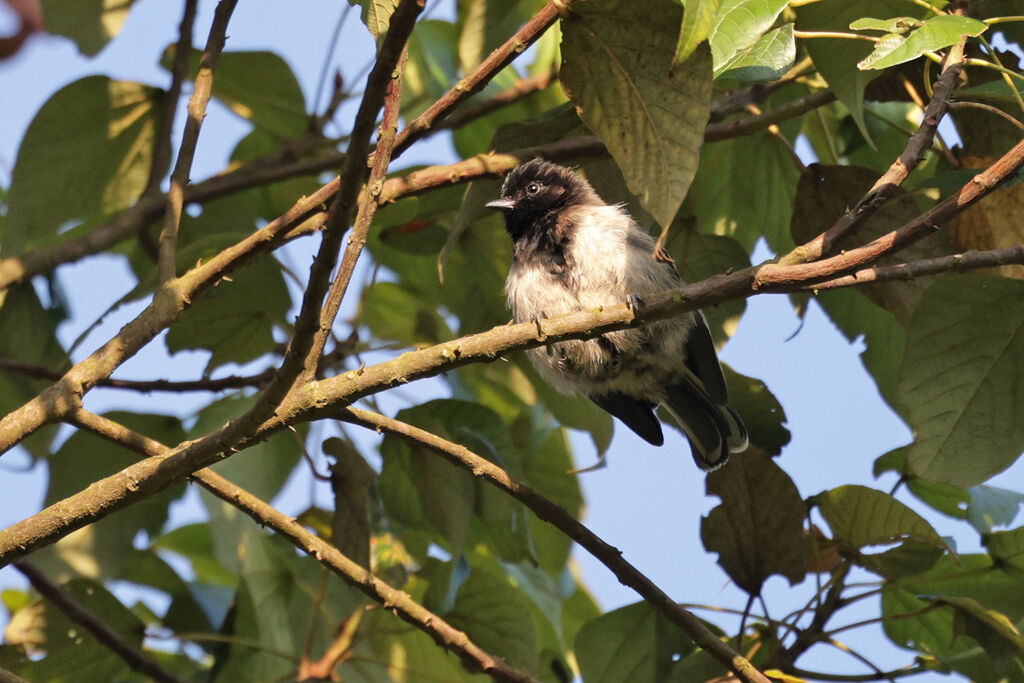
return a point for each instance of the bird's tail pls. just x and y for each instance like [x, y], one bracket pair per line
[714, 430]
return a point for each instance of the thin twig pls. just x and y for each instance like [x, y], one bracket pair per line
[145, 385]
[368, 203]
[887, 184]
[519, 90]
[201, 93]
[557, 516]
[78, 613]
[182, 52]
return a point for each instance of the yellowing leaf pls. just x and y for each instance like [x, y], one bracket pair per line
[992, 223]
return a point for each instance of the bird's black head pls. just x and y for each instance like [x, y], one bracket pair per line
[536, 191]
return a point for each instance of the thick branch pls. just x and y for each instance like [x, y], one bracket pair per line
[886, 185]
[92, 623]
[324, 398]
[323, 552]
[201, 93]
[557, 516]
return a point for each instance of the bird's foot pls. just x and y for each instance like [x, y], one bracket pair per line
[635, 303]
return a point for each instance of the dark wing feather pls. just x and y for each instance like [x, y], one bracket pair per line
[636, 414]
[702, 361]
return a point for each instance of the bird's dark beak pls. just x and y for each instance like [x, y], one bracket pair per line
[502, 204]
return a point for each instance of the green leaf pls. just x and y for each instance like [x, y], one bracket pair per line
[617, 69]
[230, 322]
[100, 549]
[633, 643]
[992, 506]
[1007, 547]
[836, 59]
[393, 312]
[432, 65]
[936, 33]
[739, 24]
[959, 379]
[195, 543]
[263, 468]
[496, 617]
[425, 493]
[487, 24]
[765, 60]
[287, 603]
[751, 545]
[698, 20]
[989, 628]
[257, 86]
[762, 413]
[93, 139]
[376, 15]
[28, 333]
[89, 23]
[861, 517]
[757, 168]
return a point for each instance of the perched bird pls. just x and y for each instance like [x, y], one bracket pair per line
[572, 252]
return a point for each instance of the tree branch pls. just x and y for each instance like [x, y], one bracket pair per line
[323, 399]
[481, 75]
[190, 138]
[886, 185]
[749, 124]
[145, 386]
[78, 613]
[557, 516]
[323, 552]
[368, 203]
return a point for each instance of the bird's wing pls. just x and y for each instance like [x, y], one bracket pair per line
[636, 414]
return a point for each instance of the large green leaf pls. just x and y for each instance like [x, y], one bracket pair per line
[992, 506]
[28, 333]
[765, 60]
[263, 468]
[432, 66]
[617, 69]
[394, 313]
[752, 545]
[763, 415]
[287, 603]
[698, 20]
[426, 494]
[633, 643]
[90, 23]
[486, 24]
[960, 379]
[1007, 547]
[860, 516]
[85, 155]
[376, 14]
[257, 86]
[744, 188]
[232, 323]
[739, 24]
[100, 549]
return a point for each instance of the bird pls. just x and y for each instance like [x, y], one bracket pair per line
[571, 251]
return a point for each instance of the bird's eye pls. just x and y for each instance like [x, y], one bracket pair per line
[532, 188]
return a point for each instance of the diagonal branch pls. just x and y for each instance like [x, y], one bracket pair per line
[557, 516]
[108, 637]
[886, 185]
[186, 153]
[368, 203]
[324, 398]
[328, 555]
